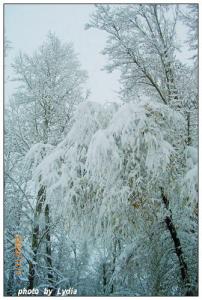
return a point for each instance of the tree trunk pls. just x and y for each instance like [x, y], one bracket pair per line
[178, 247]
[188, 129]
[115, 253]
[104, 277]
[10, 288]
[48, 247]
[41, 197]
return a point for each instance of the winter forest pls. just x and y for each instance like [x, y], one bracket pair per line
[103, 196]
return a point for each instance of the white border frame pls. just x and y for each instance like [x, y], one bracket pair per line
[2, 118]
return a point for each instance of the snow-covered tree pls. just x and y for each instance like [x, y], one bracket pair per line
[38, 117]
[190, 16]
[120, 176]
[50, 86]
[141, 43]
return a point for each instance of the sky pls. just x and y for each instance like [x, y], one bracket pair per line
[26, 27]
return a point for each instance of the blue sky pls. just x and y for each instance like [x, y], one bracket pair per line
[26, 26]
